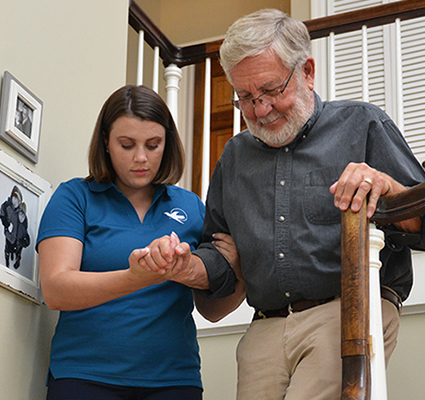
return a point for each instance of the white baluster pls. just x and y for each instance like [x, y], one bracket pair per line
[206, 133]
[140, 58]
[377, 357]
[172, 75]
[155, 79]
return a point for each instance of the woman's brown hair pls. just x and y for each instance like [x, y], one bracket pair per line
[139, 102]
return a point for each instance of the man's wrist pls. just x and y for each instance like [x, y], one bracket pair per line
[198, 277]
[194, 276]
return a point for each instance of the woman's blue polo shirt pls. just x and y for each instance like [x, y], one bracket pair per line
[147, 338]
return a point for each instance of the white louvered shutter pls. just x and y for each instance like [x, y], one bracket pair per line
[386, 65]
[413, 84]
[348, 58]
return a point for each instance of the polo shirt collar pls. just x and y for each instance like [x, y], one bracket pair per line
[96, 186]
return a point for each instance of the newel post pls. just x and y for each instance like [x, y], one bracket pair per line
[355, 305]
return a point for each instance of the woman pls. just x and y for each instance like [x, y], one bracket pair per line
[123, 332]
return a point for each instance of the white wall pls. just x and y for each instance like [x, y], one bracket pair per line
[71, 54]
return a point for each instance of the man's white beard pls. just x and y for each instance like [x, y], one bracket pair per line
[294, 123]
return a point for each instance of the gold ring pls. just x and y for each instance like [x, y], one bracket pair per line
[368, 180]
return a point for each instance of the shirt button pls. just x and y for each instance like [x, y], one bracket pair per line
[286, 149]
[282, 183]
[287, 294]
[281, 218]
[281, 256]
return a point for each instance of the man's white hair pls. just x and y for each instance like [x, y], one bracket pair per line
[265, 30]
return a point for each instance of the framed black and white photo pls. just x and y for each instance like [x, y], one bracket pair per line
[23, 197]
[20, 117]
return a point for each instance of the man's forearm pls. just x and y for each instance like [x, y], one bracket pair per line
[215, 309]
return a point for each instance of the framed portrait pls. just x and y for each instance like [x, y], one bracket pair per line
[23, 197]
[20, 117]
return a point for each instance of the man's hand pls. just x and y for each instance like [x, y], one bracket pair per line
[360, 180]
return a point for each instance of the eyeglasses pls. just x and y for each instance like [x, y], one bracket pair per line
[267, 98]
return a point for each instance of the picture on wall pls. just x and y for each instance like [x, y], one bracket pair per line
[20, 117]
[23, 196]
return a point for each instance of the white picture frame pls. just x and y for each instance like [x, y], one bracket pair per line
[20, 117]
[23, 197]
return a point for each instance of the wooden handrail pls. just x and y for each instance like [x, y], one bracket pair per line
[355, 305]
[371, 17]
[405, 205]
[169, 53]
[318, 28]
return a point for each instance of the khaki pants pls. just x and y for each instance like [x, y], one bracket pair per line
[299, 357]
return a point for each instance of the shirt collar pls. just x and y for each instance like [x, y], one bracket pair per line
[306, 129]
[318, 107]
[96, 186]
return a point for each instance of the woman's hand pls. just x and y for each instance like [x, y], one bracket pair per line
[160, 256]
[172, 260]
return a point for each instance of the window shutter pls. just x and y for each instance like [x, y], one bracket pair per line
[413, 84]
[348, 57]
[382, 67]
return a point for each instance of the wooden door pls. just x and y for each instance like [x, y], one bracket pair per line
[221, 119]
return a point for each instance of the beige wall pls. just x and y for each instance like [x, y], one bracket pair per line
[300, 9]
[71, 54]
[189, 21]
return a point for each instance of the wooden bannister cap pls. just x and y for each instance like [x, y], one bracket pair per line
[402, 206]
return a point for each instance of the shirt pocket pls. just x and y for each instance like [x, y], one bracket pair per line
[319, 205]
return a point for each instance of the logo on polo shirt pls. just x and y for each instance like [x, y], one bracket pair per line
[177, 214]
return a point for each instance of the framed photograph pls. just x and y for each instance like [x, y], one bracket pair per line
[23, 197]
[20, 117]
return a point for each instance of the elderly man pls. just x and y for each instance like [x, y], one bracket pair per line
[279, 189]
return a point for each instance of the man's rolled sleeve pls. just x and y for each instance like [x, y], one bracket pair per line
[221, 277]
[396, 238]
